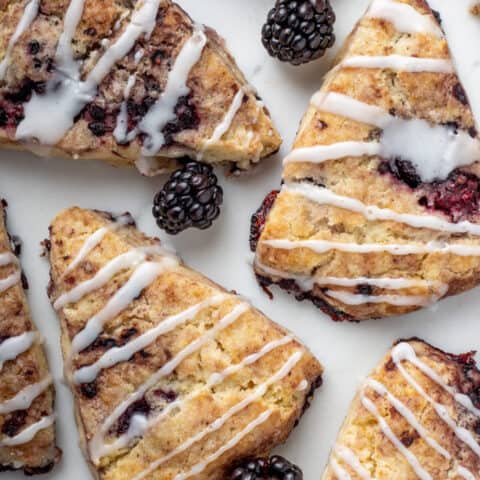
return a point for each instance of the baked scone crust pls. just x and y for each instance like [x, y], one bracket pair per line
[16, 374]
[438, 98]
[433, 447]
[213, 84]
[176, 289]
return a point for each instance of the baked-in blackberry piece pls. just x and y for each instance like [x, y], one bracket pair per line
[415, 417]
[121, 81]
[27, 420]
[173, 376]
[379, 210]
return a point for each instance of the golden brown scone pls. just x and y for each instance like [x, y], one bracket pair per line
[416, 417]
[475, 9]
[371, 220]
[114, 80]
[173, 376]
[27, 424]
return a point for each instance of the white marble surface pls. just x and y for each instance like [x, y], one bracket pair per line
[38, 188]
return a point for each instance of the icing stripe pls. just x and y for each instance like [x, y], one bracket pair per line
[396, 300]
[163, 110]
[99, 449]
[324, 196]
[340, 473]
[142, 277]
[122, 354]
[29, 14]
[335, 151]
[24, 399]
[259, 392]
[324, 246]
[399, 62]
[169, 367]
[7, 259]
[228, 446]
[346, 455]
[224, 126]
[10, 281]
[12, 347]
[27, 435]
[387, 431]
[404, 17]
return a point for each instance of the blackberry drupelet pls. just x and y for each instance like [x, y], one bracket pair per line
[299, 31]
[190, 198]
[274, 468]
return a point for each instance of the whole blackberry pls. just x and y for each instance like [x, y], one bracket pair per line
[299, 31]
[190, 198]
[274, 468]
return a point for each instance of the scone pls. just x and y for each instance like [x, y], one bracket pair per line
[173, 377]
[27, 420]
[416, 417]
[127, 82]
[378, 214]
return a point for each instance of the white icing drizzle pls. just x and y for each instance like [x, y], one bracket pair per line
[66, 95]
[99, 449]
[400, 63]
[464, 473]
[24, 399]
[404, 17]
[163, 110]
[335, 151]
[406, 138]
[142, 277]
[122, 354]
[11, 348]
[226, 123]
[7, 259]
[307, 283]
[302, 386]
[10, 281]
[405, 352]
[29, 433]
[387, 431]
[94, 240]
[97, 442]
[408, 415]
[131, 259]
[199, 467]
[324, 196]
[339, 472]
[397, 300]
[324, 246]
[258, 393]
[346, 455]
[29, 14]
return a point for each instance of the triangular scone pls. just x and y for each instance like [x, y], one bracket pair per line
[378, 214]
[173, 376]
[415, 417]
[27, 421]
[123, 81]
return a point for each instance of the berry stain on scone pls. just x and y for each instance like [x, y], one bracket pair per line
[378, 214]
[173, 376]
[415, 417]
[130, 83]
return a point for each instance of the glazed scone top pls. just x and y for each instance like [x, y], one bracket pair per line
[121, 80]
[173, 376]
[378, 212]
[27, 420]
[415, 417]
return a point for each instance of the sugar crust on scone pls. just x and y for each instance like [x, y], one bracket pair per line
[203, 122]
[423, 236]
[27, 420]
[184, 379]
[415, 416]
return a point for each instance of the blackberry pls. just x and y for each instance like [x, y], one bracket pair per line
[274, 468]
[299, 31]
[190, 198]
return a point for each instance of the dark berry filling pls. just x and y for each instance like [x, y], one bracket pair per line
[260, 217]
[141, 407]
[14, 423]
[186, 119]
